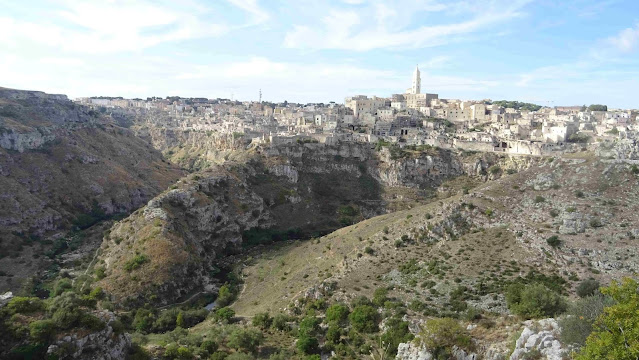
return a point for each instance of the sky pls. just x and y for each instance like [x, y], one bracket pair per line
[549, 52]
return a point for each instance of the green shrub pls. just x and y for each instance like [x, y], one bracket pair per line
[369, 250]
[245, 339]
[554, 213]
[240, 356]
[337, 313]
[209, 346]
[396, 332]
[588, 287]
[309, 326]
[307, 344]
[61, 286]
[143, 320]
[553, 241]
[262, 320]
[280, 322]
[539, 199]
[380, 296]
[137, 261]
[441, 335]
[224, 314]
[225, 295]
[25, 305]
[576, 326]
[616, 330]
[534, 300]
[364, 318]
[595, 223]
[42, 330]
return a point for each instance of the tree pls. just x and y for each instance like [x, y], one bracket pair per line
[179, 321]
[364, 318]
[307, 344]
[581, 315]
[396, 332]
[380, 296]
[337, 313]
[597, 107]
[616, 331]
[143, 320]
[534, 301]
[245, 339]
[262, 320]
[224, 314]
[441, 335]
[280, 322]
[588, 287]
[41, 330]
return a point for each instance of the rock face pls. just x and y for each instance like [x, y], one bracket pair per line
[411, 351]
[102, 345]
[62, 165]
[540, 337]
[188, 233]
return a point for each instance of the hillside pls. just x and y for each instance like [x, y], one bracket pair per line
[496, 232]
[64, 167]
[258, 197]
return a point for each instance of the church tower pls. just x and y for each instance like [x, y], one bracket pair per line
[417, 82]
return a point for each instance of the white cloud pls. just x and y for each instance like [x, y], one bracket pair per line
[252, 7]
[338, 30]
[627, 40]
[109, 27]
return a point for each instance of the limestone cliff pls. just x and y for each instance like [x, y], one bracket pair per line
[62, 166]
[184, 236]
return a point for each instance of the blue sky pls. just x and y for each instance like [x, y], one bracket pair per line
[546, 51]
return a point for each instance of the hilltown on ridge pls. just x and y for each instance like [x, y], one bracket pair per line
[411, 118]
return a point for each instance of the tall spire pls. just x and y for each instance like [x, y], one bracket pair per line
[417, 81]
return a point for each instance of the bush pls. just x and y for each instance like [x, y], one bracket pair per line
[25, 305]
[245, 339]
[337, 313]
[553, 241]
[534, 301]
[539, 199]
[307, 344]
[42, 330]
[239, 356]
[577, 325]
[143, 320]
[224, 314]
[380, 296]
[616, 331]
[364, 318]
[137, 261]
[280, 322]
[309, 326]
[334, 333]
[209, 346]
[262, 320]
[588, 287]
[369, 250]
[595, 223]
[61, 286]
[441, 335]
[396, 332]
[495, 169]
[225, 295]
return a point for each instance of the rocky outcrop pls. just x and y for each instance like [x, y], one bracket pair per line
[541, 337]
[411, 351]
[107, 344]
[64, 165]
